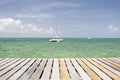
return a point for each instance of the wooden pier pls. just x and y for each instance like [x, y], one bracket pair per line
[60, 69]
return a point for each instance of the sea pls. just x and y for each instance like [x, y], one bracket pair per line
[69, 48]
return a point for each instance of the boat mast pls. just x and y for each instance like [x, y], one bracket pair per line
[56, 28]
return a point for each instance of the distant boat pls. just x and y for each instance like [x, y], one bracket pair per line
[56, 38]
[89, 37]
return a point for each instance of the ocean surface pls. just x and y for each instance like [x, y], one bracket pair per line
[69, 48]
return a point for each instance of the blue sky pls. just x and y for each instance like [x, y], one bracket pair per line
[73, 18]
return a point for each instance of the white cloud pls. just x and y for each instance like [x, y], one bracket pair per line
[113, 28]
[10, 25]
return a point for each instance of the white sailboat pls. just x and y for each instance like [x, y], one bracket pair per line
[89, 37]
[56, 38]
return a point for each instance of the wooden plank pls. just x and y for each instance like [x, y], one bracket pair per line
[88, 70]
[55, 70]
[21, 71]
[29, 72]
[96, 70]
[14, 70]
[63, 70]
[117, 60]
[114, 60]
[5, 61]
[107, 67]
[109, 64]
[36, 75]
[118, 57]
[80, 70]
[8, 64]
[71, 69]
[2, 59]
[47, 70]
[7, 69]
[59, 69]
[110, 74]
[116, 64]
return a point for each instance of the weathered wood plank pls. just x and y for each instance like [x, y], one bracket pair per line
[116, 64]
[107, 67]
[110, 74]
[109, 64]
[1, 59]
[21, 71]
[96, 70]
[88, 70]
[5, 61]
[8, 64]
[47, 70]
[55, 70]
[80, 70]
[60, 69]
[36, 75]
[29, 72]
[71, 69]
[115, 60]
[63, 70]
[7, 69]
[13, 71]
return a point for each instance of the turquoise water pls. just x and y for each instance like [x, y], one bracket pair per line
[70, 47]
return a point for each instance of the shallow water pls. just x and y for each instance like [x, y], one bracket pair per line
[70, 47]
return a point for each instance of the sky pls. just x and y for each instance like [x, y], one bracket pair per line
[72, 18]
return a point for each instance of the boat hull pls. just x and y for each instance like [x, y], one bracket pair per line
[55, 40]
